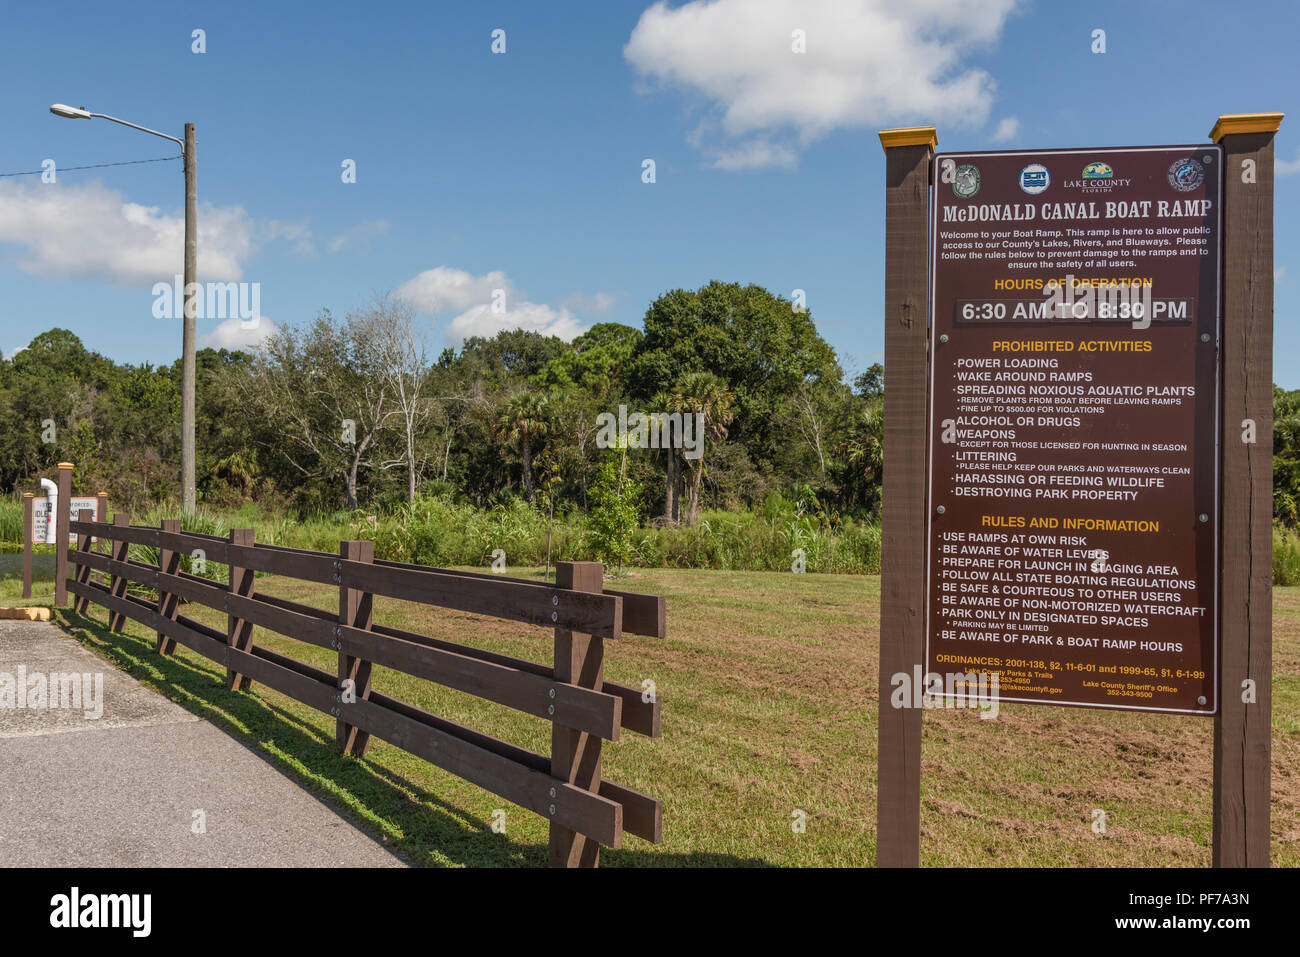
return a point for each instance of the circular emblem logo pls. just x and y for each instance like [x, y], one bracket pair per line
[1186, 174]
[1098, 171]
[966, 181]
[1035, 179]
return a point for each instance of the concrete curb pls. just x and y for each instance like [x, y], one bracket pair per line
[26, 614]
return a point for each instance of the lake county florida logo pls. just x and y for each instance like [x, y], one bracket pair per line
[1096, 177]
[1186, 174]
[1035, 179]
[966, 181]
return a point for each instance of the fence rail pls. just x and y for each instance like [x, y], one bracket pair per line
[584, 809]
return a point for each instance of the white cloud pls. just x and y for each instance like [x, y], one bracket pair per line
[756, 154]
[597, 304]
[447, 289]
[478, 301]
[869, 63]
[237, 334]
[533, 316]
[294, 231]
[91, 232]
[1008, 129]
[14, 351]
[359, 236]
[1283, 167]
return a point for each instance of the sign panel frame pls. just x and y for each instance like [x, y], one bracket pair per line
[1211, 684]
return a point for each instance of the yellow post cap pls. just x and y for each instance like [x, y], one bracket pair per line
[910, 136]
[28, 495]
[1245, 123]
[66, 465]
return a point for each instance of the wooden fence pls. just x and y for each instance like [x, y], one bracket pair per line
[584, 809]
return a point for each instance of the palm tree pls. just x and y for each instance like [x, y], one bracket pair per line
[663, 402]
[705, 394]
[522, 420]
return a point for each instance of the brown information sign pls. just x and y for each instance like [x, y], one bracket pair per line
[1073, 484]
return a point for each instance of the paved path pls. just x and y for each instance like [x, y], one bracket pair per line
[121, 790]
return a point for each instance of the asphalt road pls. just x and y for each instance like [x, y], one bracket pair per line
[145, 783]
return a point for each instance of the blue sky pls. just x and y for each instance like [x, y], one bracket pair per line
[523, 171]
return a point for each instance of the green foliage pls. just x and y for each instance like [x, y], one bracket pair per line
[615, 511]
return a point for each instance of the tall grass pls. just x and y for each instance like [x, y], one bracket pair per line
[11, 520]
[1286, 557]
[436, 530]
[439, 531]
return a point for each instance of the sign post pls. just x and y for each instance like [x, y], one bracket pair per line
[1084, 516]
[29, 523]
[1242, 727]
[61, 526]
[902, 581]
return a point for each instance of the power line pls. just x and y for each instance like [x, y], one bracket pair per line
[66, 169]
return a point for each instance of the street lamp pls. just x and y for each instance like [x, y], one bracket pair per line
[191, 256]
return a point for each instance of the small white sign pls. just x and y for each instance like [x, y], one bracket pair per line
[41, 517]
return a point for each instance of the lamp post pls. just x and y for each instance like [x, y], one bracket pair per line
[191, 289]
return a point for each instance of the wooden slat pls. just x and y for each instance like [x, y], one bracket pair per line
[296, 607]
[576, 809]
[308, 566]
[643, 815]
[637, 715]
[642, 614]
[259, 667]
[579, 708]
[134, 534]
[192, 634]
[514, 601]
[641, 812]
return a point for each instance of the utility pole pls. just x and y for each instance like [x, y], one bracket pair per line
[190, 310]
[188, 497]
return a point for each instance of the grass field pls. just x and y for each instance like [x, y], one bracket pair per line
[768, 683]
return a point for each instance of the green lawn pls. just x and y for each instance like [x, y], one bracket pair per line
[768, 682]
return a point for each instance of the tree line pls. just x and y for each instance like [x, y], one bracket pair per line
[357, 412]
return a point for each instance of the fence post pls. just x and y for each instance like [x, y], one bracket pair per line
[169, 563]
[61, 534]
[239, 633]
[575, 755]
[117, 583]
[355, 609]
[80, 603]
[101, 515]
[29, 520]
